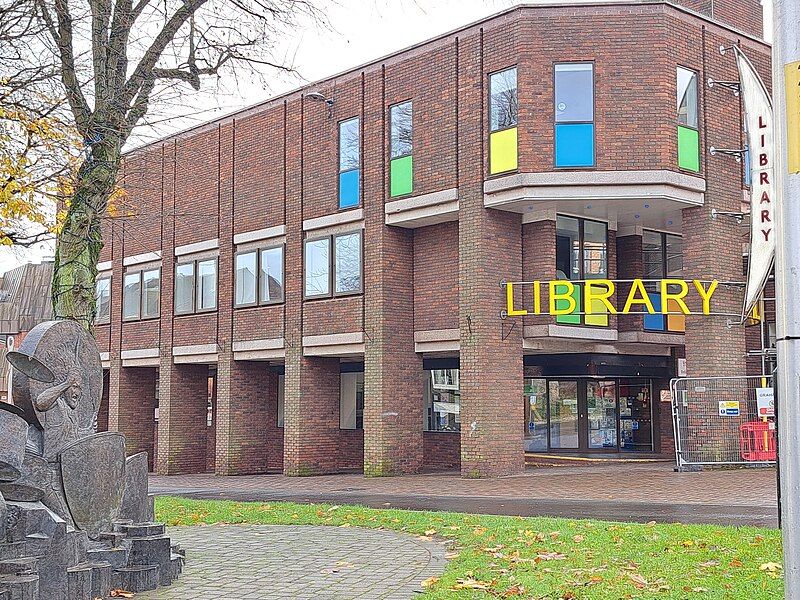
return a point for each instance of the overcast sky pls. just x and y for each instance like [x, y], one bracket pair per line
[360, 30]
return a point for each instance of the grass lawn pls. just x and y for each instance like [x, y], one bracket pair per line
[543, 558]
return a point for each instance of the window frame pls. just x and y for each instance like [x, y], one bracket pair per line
[339, 170]
[491, 74]
[261, 251]
[391, 108]
[664, 275]
[696, 128]
[141, 300]
[197, 262]
[331, 237]
[138, 314]
[106, 319]
[355, 400]
[582, 265]
[175, 287]
[236, 256]
[593, 122]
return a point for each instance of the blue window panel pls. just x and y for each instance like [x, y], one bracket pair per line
[654, 322]
[575, 145]
[349, 188]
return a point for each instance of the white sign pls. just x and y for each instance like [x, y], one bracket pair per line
[728, 408]
[760, 141]
[681, 367]
[765, 398]
[446, 407]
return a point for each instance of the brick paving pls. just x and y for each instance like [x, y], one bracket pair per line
[264, 562]
[616, 491]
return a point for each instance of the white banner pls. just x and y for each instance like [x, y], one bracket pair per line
[760, 140]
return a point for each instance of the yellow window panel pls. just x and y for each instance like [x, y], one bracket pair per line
[675, 322]
[503, 151]
[599, 316]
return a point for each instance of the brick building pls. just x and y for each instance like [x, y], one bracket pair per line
[313, 284]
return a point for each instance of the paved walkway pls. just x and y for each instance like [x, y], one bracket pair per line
[264, 562]
[624, 492]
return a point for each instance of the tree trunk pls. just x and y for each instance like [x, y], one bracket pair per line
[80, 239]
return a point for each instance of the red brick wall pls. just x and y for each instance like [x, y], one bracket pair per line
[747, 15]
[334, 315]
[442, 450]
[132, 402]
[436, 277]
[630, 266]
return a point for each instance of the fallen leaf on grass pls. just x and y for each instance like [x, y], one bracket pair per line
[550, 556]
[638, 581]
[514, 590]
[430, 532]
[770, 567]
[429, 582]
[472, 584]
[121, 594]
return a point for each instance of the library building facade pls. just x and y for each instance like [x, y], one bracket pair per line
[391, 271]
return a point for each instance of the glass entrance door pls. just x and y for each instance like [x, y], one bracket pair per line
[601, 414]
[564, 415]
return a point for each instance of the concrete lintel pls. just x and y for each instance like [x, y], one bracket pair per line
[333, 339]
[259, 234]
[139, 353]
[196, 359]
[437, 335]
[341, 218]
[195, 349]
[263, 344]
[649, 337]
[141, 362]
[334, 350]
[106, 265]
[423, 210]
[442, 346]
[139, 259]
[273, 354]
[596, 178]
[593, 334]
[197, 247]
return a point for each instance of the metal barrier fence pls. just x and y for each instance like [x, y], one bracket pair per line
[723, 421]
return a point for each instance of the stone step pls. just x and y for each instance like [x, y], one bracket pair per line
[20, 587]
[19, 566]
[37, 544]
[140, 530]
[79, 582]
[149, 551]
[101, 579]
[136, 579]
[111, 537]
[171, 571]
[116, 557]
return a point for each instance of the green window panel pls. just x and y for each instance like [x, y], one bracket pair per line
[573, 319]
[503, 151]
[689, 149]
[401, 176]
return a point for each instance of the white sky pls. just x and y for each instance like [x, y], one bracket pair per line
[360, 31]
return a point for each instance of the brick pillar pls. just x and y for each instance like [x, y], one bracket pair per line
[132, 402]
[392, 391]
[182, 417]
[246, 426]
[538, 264]
[630, 266]
[490, 251]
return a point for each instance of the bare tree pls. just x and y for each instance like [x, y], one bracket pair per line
[116, 59]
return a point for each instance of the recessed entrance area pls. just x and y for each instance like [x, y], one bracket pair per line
[592, 415]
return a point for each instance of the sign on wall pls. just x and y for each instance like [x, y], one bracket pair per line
[760, 140]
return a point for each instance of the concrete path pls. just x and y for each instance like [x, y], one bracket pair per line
[264, 562]
[622, 492]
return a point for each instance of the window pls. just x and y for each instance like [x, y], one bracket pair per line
[443, 400]
[662, 257]
[574, 115]
[340, 271]
[581, 254]
[102, 298]
[131, 295]
[196, 286]
[351, 400]
[259, 277]
[688, 121]
[401, 166]
[349, 162]
[184, 288]
[141, 295]
[503, 110]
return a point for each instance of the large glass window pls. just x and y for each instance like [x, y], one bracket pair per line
[102, 297]
[662, 257]
[131, 295]
[151, 293]
[503, 114]
[443, 400]
[271, 275]
[184, 288]
[535, 415]
[196, 286]
[581, 254]
[207, 284]
[574, 115]
[342, 267]
[688, 120]
[351, 401]
[349, 162]
[246, 276]
[401, 166]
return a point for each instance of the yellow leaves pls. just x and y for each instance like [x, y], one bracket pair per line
[121, 594]
[430, 532]
[471, 584]
[772, 569]
[429, 582]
